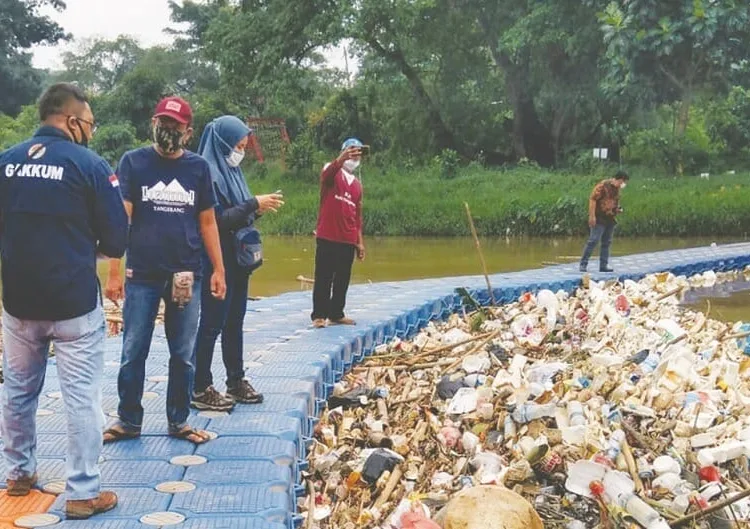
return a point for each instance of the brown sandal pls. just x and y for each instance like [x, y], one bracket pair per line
[188, 433]
[118, 433]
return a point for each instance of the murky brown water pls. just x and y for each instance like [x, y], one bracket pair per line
[402, 258]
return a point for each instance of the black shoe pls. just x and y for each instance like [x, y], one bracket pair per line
[606, 269]
[245, 393]
[211, 400]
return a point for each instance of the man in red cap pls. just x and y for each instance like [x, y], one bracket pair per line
[170, 200]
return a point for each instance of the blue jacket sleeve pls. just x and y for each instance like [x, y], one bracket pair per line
[110, 218]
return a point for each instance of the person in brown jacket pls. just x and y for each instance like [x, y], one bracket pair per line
[604, 205]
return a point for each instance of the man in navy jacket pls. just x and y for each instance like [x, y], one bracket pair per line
[60, 207]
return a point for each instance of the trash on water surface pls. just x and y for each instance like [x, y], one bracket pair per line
[614, 406]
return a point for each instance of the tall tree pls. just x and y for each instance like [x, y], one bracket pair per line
[678, 47]
[23, 27]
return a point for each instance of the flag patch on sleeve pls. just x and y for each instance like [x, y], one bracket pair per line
[114, 181]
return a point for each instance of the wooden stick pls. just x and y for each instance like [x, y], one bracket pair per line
[672, 292]
[383, 410]
[481, 255]
[311, 507]
[692, 517]
[303, 279]
[390, 486]
[471, 351]
[632, 467]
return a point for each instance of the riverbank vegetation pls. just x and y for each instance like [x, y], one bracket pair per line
[498, 103]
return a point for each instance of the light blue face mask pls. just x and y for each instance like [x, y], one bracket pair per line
[235, 158]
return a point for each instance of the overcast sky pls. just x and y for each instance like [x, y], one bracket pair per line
[142, 19]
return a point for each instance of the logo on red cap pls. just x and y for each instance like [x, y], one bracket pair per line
[175, 108]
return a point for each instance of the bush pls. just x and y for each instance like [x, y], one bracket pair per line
[448, 162]
[112, 141]
[299, 157]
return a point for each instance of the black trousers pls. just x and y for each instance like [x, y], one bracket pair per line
[333, 270]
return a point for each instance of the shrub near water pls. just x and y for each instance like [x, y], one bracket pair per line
[521, 201]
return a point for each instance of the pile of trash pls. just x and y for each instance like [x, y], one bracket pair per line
[113, 315]
[611, 407]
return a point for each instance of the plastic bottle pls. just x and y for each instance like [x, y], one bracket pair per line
[615, 444]
[529, 411]
[575, 414]
[650, 363]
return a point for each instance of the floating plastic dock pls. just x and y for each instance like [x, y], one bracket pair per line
[249, 477]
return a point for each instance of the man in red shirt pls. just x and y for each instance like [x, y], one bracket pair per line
[339, 235]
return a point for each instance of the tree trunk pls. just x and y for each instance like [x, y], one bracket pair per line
[531, 139]
[683, 116]
[443, 135]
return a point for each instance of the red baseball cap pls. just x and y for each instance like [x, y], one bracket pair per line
[176, 108]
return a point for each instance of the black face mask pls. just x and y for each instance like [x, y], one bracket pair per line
[169, 140]
[84, 140]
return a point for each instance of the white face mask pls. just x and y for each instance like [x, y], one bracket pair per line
[351, 165]
[235, 158]
[623, 185]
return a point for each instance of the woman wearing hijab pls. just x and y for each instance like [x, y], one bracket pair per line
[223, 145]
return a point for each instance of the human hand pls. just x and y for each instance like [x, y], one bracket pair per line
[218, 284]
[361, 252]
[114, 291]
[349, 154]
[270, 202]
[592, 222]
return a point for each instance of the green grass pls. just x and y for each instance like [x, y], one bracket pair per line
[520, 201]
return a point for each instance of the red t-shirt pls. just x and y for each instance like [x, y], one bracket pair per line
[340, 214]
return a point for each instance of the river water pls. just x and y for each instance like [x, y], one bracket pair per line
[403, 258]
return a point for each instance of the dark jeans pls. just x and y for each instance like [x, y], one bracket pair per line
[223, 317]
[181, 325]
[333, 270]
[600, 232]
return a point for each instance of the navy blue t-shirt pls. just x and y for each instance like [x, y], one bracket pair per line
[60, 205]
[168, 196]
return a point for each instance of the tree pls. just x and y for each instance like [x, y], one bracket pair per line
[23, 27]
[98, 65]
[678, 48]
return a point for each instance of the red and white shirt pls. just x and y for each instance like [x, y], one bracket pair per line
[340, 213]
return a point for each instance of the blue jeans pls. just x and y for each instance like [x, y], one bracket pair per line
[139, 312]
[79, 352]
[603, 233]
[223, 317]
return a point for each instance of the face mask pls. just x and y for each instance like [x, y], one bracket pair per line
[168, 140]
[623, 185]
[351, 165]
[235, 158]
[84, 142]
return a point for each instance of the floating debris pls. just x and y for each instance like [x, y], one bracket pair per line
[612, 407]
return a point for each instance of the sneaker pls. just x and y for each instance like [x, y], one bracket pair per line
[21, 486]
[319, 323]
[212, 400]
[245, 393]
[606, 269]
[344, 321]
[83, 509]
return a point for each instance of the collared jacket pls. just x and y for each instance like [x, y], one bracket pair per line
[60, 206]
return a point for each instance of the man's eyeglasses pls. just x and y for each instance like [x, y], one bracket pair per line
[87, 122]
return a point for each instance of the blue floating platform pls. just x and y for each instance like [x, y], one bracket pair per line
[261, 425]
[139, 473]
[146, 447]
[295, 407]
[227, 522]
[257, 502]
[277, 478]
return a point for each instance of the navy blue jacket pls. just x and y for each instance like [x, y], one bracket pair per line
[60, 205]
